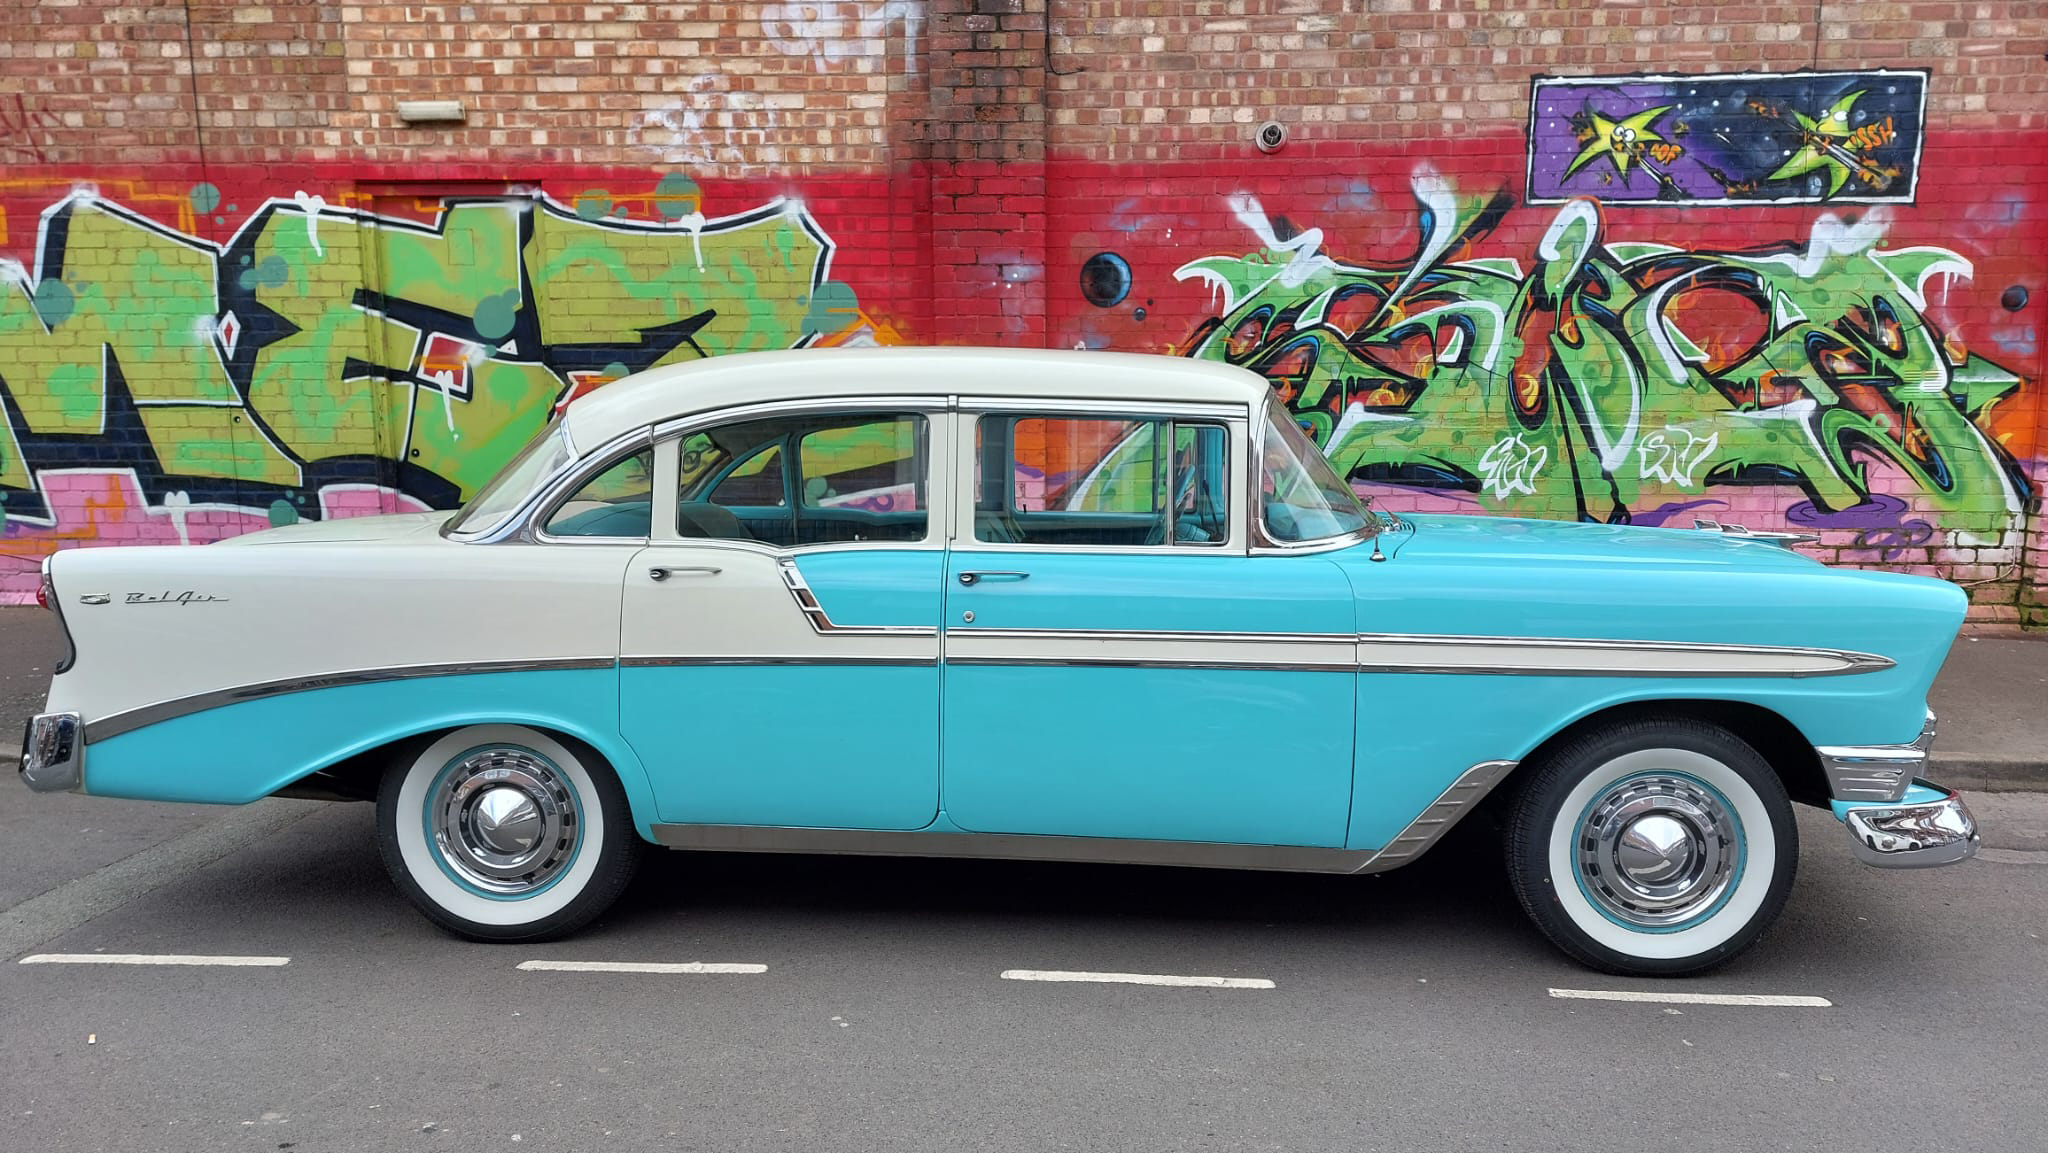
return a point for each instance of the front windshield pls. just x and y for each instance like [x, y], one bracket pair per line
[537, 463]
[1302, 497]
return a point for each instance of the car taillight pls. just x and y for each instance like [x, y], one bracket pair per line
[46, 591]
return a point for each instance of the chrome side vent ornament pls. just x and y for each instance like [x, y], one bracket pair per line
[1781, 539]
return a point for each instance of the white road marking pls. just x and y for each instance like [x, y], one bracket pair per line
[638, 967]
[1138, 979]
[148, 959]
[1767, 1000]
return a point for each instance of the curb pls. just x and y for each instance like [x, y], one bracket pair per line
[1990, 774]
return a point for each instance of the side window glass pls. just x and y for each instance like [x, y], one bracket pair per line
[1100, 481]
[617, 502]
[856, 477]
[756, 481]
[875, 465]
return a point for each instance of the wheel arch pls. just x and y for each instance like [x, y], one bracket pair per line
[1777, 740]
[354, 775]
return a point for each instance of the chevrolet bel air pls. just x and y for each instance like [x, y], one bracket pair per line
[979, 603]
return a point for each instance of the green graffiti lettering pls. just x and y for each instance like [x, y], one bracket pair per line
[349, 346]
[1633, 376]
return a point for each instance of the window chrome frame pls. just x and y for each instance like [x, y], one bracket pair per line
[547, 511]
[1234, 419]
[523, 526]
[1263, 543]
[938, 445]
[512, 522]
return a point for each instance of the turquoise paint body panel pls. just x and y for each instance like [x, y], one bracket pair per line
[876, 587]
[1483, 576]
[831, 746]
[1252, 756]
[242, 752]
[1157, 754]
[1917, 793]
[812, 746]
[1219, 593]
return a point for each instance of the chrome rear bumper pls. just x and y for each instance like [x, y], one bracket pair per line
[1931, 827]
[53, 753]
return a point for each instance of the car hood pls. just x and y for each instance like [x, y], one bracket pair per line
[357, 529]
[1518, 541]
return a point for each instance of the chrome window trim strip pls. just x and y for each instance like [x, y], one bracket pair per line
[1450, 806]
[131, 719]
[1054, 407]
[751, 661]
[926, 403]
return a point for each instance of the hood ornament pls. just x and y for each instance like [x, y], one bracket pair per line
[1781, 539]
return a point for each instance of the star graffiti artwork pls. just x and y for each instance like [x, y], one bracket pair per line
[1801, 137]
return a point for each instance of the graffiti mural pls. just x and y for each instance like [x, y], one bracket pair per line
[322, 356]
[1627, 382]
[1801, 137]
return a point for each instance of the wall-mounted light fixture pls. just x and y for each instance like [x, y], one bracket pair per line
[431, 111]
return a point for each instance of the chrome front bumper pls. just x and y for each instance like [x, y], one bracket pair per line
[53, 753]
[1896, 820]
[1930, 827]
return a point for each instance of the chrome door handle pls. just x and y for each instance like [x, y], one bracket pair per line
[976, 576]
[663, 572]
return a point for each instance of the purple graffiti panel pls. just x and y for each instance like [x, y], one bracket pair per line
[1801, 137]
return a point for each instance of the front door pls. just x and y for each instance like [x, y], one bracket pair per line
[1117, 665]
[779, 649]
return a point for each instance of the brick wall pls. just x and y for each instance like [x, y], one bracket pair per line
[198, 206]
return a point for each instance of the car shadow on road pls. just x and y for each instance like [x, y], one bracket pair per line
[1457, 892]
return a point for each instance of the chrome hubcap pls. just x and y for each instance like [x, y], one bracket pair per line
[507, 821]
[1657, 850]
[504, 820]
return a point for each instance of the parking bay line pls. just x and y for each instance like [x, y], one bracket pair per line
[1765, 1000]
[152, 959]
[638, 967]
[1137, 979]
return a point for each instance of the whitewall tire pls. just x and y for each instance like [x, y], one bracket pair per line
[505, 833]
[1653, 848]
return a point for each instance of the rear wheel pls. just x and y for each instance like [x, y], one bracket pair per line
[1653, 848]
[504, 833]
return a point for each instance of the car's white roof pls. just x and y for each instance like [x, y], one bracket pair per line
[678, 390]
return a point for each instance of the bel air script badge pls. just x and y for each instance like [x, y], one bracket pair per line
[170, 598]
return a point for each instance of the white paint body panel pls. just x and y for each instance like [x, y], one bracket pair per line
[289, 610]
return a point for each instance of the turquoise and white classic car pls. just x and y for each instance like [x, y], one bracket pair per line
[980, 603]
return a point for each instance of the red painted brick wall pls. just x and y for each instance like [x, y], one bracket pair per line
[963, 160]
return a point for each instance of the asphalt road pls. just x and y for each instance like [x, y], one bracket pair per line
[1408, 1011]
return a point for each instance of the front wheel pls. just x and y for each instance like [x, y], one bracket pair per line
[1653, 848]
[504, 833]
